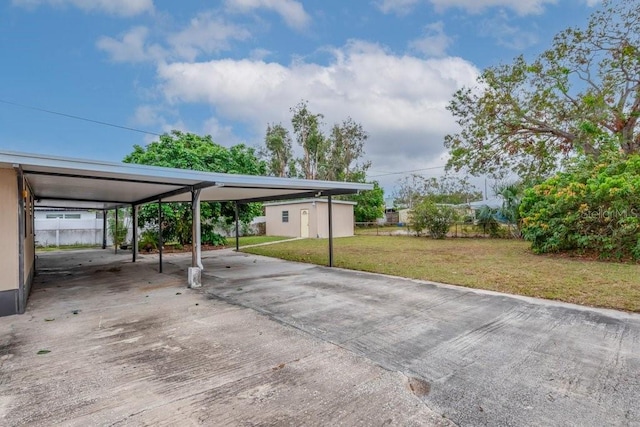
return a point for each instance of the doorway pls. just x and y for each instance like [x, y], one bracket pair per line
[304, 223]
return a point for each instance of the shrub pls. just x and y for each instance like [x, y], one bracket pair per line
[436, 219]
[214, 239]
[594, 207]
[487, 222]
[148, 240]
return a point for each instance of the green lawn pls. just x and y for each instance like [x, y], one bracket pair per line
[498, 265]
[254, 240]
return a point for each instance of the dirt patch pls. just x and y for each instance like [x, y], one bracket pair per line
[419, 387]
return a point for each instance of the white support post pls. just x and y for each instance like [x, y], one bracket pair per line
[196, 250]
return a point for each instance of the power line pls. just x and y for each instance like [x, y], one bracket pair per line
[71, 116]
[408, 171]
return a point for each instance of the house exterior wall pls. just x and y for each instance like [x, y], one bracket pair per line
[343, 220]
[17, 231]
[8, 229]
[9, 265]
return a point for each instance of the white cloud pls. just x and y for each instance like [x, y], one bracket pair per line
[205, 34]
[112, 7]
[400, 100]
[521, 7]
[132, 46]
[400, 7]
[221, 134]
[506, 34]
[434, 43]
[291, 11]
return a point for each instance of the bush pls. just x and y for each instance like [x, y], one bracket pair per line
[148, 240]
[436, 219]
[487, 222]
[214, 239]
[594, 207]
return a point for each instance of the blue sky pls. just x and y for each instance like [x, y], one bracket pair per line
[228, 68]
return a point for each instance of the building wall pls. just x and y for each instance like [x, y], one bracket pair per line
[9, 248]
[275, 226]
[8, 229]
[343, 221]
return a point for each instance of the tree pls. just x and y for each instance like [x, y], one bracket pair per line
[189, 151]
[446, 189]
[592, 207]
[306, 127]
[580, 96]
[370, 204]
[278, 150]
[345, 148]
[436, 219]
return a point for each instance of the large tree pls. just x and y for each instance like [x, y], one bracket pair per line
[447, 189]
[190, 151]
[277, 150]
[345, 149]
[307, 129]
[581, 96]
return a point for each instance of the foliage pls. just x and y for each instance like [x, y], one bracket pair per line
[336, 157]
[436, 219]
[593, 207]
[213, 238]
[581, 96]
[486, 220]
[345, 147]
[148, 240]
[277, 151]
[189, 151]
[511, 193]
[447, 189]
[370, 204]
[119, 237]
[306, 127]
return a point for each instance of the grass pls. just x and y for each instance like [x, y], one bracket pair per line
[254, 240]
[497, 265]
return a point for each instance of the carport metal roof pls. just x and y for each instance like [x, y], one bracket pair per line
[90, 184]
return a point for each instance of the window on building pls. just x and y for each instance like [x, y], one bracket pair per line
[63, 216]
[285, 216]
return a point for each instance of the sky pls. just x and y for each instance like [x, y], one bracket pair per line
[229, 68]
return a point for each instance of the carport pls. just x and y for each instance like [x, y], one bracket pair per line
[28, 181]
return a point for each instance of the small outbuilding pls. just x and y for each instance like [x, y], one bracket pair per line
[309, 218]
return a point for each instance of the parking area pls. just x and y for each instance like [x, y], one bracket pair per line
[269, 342]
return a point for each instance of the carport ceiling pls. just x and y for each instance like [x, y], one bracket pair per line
[76, 183]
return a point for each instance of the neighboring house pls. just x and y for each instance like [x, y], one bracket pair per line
[60, 227]
[472, 207]
[309, 218]
[404, 216]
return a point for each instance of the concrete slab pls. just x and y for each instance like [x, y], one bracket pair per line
[489, 358]
[278, 343]
[124, 345]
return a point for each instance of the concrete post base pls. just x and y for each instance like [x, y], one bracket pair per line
[195, 277]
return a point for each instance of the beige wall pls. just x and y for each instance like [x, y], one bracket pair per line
[343, 221]
[8, 230]
[318, 219]
[275, 226]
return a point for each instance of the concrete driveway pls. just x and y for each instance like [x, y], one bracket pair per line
[268, 342]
